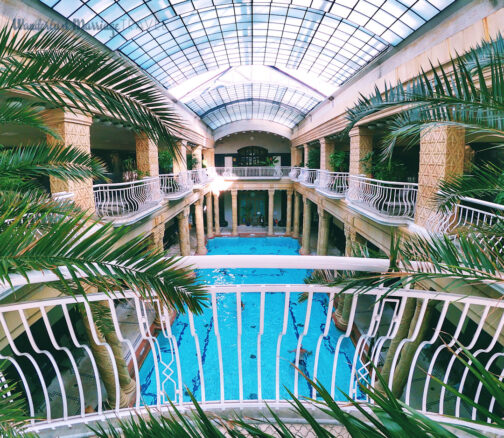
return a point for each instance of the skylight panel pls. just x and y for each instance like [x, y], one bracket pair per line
[319, 38]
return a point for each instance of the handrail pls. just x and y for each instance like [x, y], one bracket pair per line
[126, 198]
[250, 172]
[307, 177]
[384, 200]
[176, 186]
[464, 215]
[332, 184]
[336, 361]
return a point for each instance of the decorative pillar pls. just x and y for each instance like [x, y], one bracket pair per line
[209, 157]
[342, 313]
[350, 240]
[147, 162]
[271, 205]
[146, 155]
[323, 231]
[326, 149]
[183, 226]
[306, 149]
[209, 217]
[216, 212]
[180, 158]
[196, 153]
[200, 227]
[305, 247]
[442, 151]
[361, 144]
[295, 229]
[288, 224]
[75, 131]
[234, 208]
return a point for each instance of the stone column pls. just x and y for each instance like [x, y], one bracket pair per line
[342, 312]
[200, 227]
[183, 226]
[306, 149]
[180, 159]
[295, 228]
[209, 157]
[146, 155]
[197, 155]
[147, 162]
[209, 218]
[305, 247]
[288, 224]
[74, 130]
[350, 239]
[216, 213]
[326, 149]
[323, 231]
[234, 207]
[442, 151]
[361, 144]
[271, 206]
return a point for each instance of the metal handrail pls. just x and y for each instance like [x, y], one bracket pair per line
[127, 198]
[386, 199]
[64, 399]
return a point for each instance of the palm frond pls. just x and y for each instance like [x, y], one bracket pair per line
[63, 70]
[27, 163]
[91, 253]
[466, 93]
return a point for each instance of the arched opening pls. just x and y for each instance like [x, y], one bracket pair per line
[251, 156]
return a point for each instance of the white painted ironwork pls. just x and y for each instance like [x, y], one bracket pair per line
[251, 172]
[294, 173]
[176, 186]
[470, 212]
[376, 318]
[126, 199]
[307, 177]
[199, 177]
[63, 196]
[384, 201]
[332, 184]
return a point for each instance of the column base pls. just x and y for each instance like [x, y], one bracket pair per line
[338, 321]
[234, 233]
[288, 234]
[201, 251]
[303, 251]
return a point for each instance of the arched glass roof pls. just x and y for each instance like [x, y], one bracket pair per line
[175, 40]
[281, 101]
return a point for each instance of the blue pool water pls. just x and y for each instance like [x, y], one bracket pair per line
[273, 322]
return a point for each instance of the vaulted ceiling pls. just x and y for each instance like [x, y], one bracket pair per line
[325, 41]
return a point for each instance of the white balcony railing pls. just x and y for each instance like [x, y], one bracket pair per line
[199, 177]
[294, 173]
[126, 199]
[470, 212]
[384, 201]
[176, 186]
[332, 184]
[264, 172]
[52, 377]
[307, 177]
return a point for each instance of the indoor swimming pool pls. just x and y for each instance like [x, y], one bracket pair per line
[274, 305]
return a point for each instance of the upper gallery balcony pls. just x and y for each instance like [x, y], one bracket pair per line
[252, 172]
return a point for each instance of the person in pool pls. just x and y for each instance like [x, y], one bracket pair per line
[302, 352]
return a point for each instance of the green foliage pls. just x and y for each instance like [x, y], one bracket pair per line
[385, 417]
[270, 161]
[313, 158]
[385, 170]
[192, 162]
[339, 161]
[13, 409]
[165, 158]
[468, 94]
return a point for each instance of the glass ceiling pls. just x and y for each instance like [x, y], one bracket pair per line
[174, 40]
